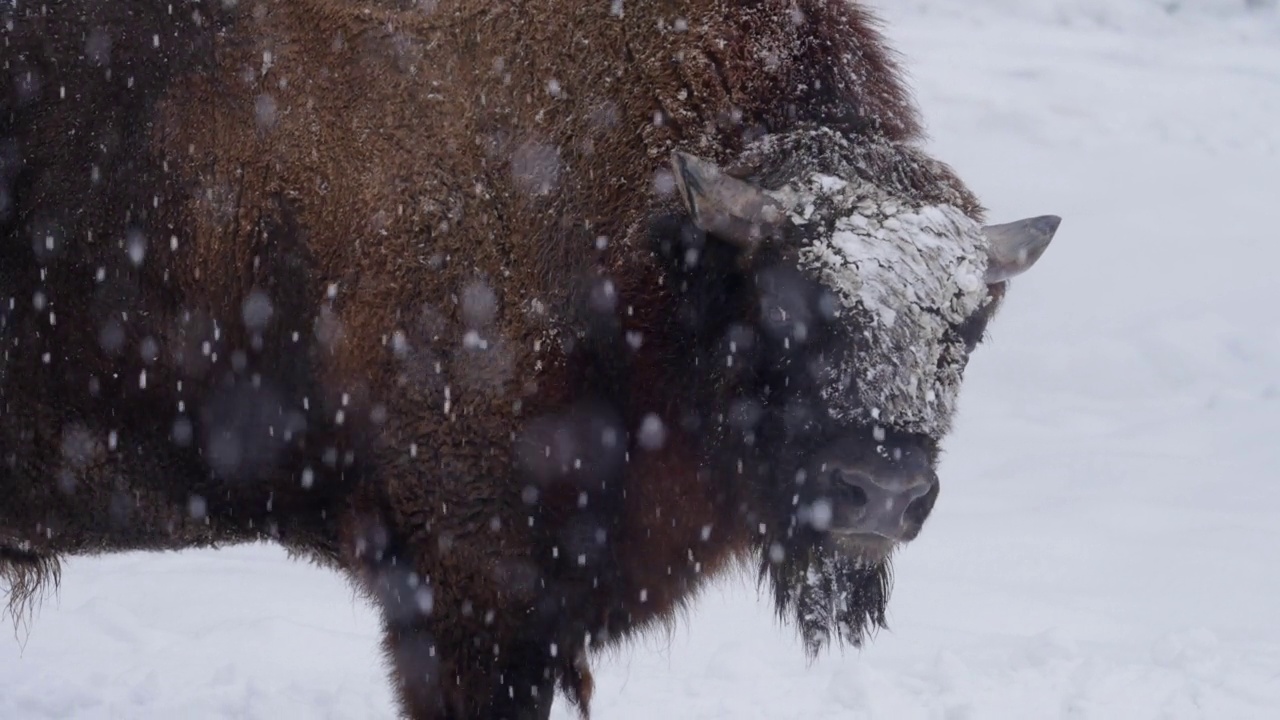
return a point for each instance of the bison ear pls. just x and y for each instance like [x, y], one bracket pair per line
[732, 210]
[1014, 247]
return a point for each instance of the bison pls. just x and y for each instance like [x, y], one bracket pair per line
[529, 317]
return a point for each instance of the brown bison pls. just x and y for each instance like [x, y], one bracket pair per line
[529, 317]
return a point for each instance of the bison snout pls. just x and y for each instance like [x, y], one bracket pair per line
[872, 500]
[879, 504]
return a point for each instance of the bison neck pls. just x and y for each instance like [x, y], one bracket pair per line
[680, 529]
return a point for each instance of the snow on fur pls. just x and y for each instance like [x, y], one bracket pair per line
[910, 276]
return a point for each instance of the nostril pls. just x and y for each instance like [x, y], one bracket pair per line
[849, 486]
[920, 507]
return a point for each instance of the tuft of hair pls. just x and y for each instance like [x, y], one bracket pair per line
[828, 595]
[28, 577]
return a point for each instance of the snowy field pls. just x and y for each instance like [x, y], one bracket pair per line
[1107, 543]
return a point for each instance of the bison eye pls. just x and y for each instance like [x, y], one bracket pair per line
[782, 317]
[973, 330]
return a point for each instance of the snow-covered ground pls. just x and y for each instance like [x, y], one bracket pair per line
[1107, 544]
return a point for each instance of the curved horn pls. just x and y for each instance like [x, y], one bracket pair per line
[1014, 247]
[731, 209]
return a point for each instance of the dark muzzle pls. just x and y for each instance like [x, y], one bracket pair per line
[884, 493]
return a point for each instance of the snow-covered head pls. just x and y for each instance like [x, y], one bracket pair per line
[873, 279]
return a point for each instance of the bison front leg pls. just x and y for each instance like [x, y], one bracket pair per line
[455, 673]
[461, 646]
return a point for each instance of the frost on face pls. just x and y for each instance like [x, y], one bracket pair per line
[912, 276]
[906, 275]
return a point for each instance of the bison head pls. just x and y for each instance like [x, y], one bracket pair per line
[856, 278]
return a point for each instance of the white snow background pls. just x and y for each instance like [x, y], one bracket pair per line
[1107, 542]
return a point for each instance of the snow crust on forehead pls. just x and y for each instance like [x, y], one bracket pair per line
[907, 276]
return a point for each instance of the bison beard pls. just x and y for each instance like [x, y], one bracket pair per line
[828, 594]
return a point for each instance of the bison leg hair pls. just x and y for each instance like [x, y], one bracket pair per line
[438, 678]
[459, 646]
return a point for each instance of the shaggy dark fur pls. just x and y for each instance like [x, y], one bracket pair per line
[403, 287]
[28, 576]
